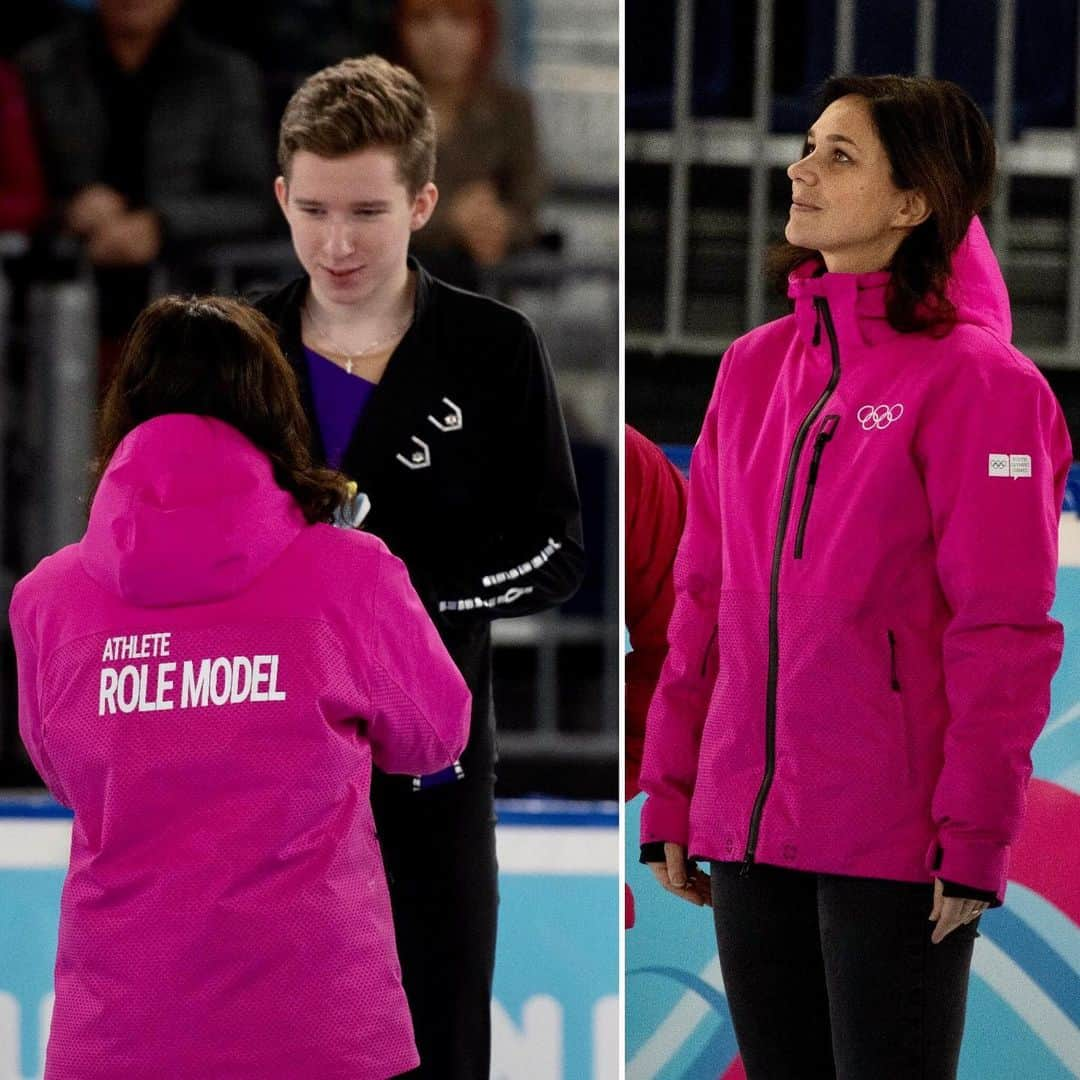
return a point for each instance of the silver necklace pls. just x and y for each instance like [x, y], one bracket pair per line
[359, 354]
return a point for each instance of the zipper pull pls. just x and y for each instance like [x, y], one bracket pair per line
[825, 433]
[818, 305]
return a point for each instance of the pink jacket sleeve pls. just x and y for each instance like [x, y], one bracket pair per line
[31, 728]
[995, 453]
[677, 714]
[419, 716]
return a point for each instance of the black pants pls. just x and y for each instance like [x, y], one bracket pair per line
[835, 978]
[439, 851]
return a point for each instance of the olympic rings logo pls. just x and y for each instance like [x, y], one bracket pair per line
[879, 416]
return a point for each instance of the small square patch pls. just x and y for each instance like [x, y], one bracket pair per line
[999, 464]
[1019, 465]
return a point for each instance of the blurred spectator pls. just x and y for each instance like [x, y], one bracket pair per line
[22, 191]
[152, 141]
[23, 23]
[488, 170]
[655, 513]
[291, 39]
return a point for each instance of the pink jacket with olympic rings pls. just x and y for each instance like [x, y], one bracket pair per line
[205, 679]
[861, 650]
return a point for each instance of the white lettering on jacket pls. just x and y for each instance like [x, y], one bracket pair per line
[220, 680]
[136, 647]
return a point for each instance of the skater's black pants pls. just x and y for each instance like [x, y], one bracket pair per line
[835, 978]
[439, 850]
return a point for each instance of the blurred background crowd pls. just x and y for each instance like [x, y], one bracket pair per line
[137, 150]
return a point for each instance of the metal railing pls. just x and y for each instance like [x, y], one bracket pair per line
[751, 145]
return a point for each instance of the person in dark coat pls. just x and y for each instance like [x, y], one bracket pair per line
[152, 141]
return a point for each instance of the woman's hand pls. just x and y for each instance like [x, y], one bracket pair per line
[952, 911]
[93, 207]
[132, 239]
[693, 885]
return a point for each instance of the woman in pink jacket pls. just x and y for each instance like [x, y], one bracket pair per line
[206, 679]
[861, 650]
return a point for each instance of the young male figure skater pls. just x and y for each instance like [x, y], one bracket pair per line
[441, 405]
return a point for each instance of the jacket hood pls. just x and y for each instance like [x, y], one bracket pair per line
[976, 288]
[187, 512]
[976, 285]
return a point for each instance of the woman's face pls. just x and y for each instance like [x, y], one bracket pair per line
[844, 203]
[442, 43]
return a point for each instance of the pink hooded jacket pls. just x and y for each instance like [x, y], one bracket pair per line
[205, 679]
[861, 652]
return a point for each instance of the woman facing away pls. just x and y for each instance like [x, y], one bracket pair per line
[861, 650]
[205, 679]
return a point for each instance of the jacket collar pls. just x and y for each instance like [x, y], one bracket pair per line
[856, 304]
[413, 365]
[857, 301]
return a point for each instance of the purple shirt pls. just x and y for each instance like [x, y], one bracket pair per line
[339, 398]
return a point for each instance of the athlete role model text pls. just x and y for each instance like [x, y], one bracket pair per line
[169, 684]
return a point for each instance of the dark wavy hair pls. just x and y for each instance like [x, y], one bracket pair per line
[214, 356]
[938, 141]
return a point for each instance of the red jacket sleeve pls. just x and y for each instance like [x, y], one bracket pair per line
[655, 513]
[22, 189]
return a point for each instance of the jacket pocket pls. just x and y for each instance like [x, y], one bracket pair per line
[825, 432]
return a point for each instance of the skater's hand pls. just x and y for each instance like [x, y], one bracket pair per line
[949, 912]
[693, 885]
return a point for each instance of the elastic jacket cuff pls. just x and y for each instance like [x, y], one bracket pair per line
[965, 892]
[653, 852]
[979, 864]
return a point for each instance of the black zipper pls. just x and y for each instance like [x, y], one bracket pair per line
[774, 586]
[825, 433]
[708, 649]
[893, 677]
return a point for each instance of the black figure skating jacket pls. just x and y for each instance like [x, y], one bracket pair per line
[462, 450]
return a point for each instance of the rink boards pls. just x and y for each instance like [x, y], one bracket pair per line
[555, 1009]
